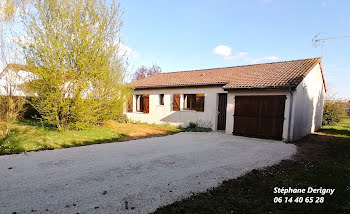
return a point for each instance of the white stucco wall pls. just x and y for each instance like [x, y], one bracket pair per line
[231, 106]
[164, 114]
[308, 104]
[11, 80]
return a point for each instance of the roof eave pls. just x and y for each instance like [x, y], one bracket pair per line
[260, 87]
[179, 86]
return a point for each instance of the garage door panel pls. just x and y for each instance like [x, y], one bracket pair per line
[248, 127]
[246, 106]
[269, 127]
[259, 116]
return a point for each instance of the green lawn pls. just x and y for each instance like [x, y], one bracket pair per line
[342, 129]
[322, 160]
[30, 135]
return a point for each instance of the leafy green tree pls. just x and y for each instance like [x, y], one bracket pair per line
[72, 49]
[333, 112]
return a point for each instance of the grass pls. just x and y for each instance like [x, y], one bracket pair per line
[30, 135]
[342, 129]
[322, 160]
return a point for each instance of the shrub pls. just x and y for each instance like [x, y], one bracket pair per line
[333, 111]
[347, 107]
[194, 127]
[4, 129]
[10, 108]
[29, 112]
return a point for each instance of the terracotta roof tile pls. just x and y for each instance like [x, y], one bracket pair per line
[276, 74]
[14, 67]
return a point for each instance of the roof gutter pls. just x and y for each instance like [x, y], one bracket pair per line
[214, 84]
[260, 87]
[179, 86]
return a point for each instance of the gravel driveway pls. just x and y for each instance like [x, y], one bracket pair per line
[144, 173]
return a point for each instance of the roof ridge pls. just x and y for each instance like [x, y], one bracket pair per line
[237, 66]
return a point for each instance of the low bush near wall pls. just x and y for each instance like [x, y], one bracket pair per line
[333, 112]
[194, 127]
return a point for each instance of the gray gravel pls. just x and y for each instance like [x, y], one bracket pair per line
[145, 173]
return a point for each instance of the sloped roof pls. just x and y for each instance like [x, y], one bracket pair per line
[276, 74]
[14, 67]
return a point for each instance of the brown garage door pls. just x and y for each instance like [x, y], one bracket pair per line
[259, 116]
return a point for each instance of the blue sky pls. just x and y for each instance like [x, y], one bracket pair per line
[182, 35]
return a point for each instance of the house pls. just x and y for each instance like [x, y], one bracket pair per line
[280, 100]
[12, 80]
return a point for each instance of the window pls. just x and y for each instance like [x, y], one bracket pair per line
[139, 103]
[161, 99]
[190, 102]
[194, 102]
[142, 103]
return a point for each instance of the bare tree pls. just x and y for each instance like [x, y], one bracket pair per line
[11, 75]
[11, 101]
[143, 72]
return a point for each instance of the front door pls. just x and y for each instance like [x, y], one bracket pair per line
[222, 112]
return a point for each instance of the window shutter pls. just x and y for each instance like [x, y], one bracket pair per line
[130, 104]
[176, 102]
[200, 102]
[145, 103]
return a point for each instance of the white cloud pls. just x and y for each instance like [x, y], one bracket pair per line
[125, 50]
[226, 52]
[222, 50]
[271, 58]
[261, 59]
[240, 55]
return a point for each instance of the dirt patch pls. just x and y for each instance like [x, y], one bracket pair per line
[136, 131]
[315, 147]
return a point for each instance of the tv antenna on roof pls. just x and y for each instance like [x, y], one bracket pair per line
[319, 42]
